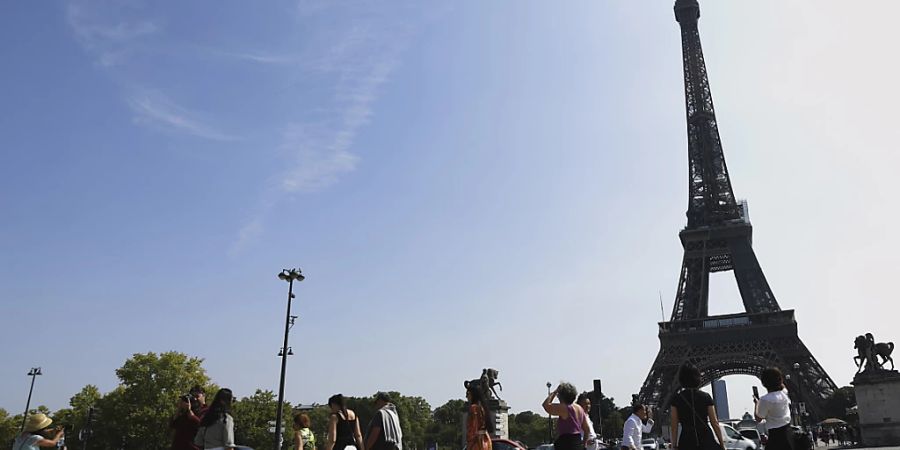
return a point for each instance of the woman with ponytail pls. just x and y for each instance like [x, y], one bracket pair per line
[343, 426]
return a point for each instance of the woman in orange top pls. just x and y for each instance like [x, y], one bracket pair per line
[477, 435]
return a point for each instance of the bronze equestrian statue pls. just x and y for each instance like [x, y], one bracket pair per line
[868, 352]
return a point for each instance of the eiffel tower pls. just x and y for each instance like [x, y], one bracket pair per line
[718, 237]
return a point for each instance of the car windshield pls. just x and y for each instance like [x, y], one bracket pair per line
[752, 434]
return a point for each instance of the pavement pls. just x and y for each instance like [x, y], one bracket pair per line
[822, 446]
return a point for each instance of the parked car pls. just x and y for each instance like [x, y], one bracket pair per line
[734, 440]
[506, 444]
[649, 444]
[753, 435]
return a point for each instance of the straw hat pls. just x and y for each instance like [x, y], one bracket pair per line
[37, 422]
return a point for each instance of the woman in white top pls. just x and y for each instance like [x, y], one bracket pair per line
[590, 438]
[775, 409]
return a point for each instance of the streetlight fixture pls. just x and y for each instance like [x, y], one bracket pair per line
[289, 275]
[800, 405]
[549, 418]
[33, 373]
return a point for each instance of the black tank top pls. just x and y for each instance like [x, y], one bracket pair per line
[344, 432]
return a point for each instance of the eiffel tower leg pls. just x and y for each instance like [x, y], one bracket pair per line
[661, 382]
[755, 290]
[692, 298]
[805, 378]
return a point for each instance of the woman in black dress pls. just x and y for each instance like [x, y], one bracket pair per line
[343, 426]
[695, 411]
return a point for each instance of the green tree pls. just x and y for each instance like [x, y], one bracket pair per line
[529, 428]
[9, 426]
[837, 405]
[252, 416]
[446, 427]
[415, 416]
[613, 424]
[74, 418]
[612, 418]
[140, 409]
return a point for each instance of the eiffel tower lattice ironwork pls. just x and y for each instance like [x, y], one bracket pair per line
[718, 237]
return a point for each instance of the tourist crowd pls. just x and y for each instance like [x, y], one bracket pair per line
[198, 426]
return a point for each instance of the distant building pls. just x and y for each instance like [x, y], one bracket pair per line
[720, 396]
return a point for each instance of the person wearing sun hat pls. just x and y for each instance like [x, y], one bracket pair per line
[36, 434]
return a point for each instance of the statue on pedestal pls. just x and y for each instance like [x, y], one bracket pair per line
[494, 408]
[486, 384]
[869, 352]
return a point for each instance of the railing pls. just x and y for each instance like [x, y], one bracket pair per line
[728, 321]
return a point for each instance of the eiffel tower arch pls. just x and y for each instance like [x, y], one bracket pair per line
[718, 237]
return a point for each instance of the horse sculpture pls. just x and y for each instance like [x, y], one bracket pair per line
[868, 352]
[486, 384]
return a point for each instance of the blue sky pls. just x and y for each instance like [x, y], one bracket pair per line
[468, 185]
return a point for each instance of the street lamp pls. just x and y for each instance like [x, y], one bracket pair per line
[288, 275]
[549, 417]
[33, 373]
[796, 407]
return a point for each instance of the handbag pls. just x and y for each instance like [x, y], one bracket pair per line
[705, 444]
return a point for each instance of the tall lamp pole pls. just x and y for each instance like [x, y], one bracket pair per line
[33, 373]
[288, 275]
[549, 418]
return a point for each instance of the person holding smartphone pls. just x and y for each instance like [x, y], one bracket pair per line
[37, 433]
[775, 409]
[190, 409]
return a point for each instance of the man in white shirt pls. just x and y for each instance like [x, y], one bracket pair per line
[635, 427]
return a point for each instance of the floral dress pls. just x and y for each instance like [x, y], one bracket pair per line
[477, 437]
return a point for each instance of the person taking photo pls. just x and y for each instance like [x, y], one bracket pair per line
[37, 433]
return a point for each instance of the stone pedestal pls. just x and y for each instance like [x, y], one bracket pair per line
[499, 414]
[878, 401]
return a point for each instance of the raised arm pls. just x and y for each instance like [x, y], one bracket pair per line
[759, 410]
[647, 427]
[51, 442]
[557, 409]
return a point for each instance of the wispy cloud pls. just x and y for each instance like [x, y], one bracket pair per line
[249, 233]
[109, 39]
[158, 111]
[322, 147]
[260, 57]
[358, 61]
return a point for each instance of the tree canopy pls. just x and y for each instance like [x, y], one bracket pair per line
[136, 414]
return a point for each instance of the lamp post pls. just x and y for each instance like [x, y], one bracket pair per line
[796, 412]
[33, 373]
[549, 418]
[288, 275]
